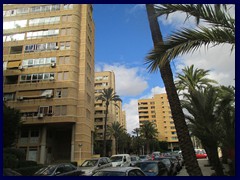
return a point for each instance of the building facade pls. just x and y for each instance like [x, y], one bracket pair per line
[157, 110]
[106, 79]
[48, 62]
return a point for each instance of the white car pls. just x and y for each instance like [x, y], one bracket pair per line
[121, 160]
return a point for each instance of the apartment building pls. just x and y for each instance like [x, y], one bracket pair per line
[106, 79]
[157, 110]
[48, 62]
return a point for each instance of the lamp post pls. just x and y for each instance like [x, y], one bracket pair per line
[80, 153]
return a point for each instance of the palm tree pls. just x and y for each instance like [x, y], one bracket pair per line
[204, 122]
[117, 130]
[107, 96]
[188, 40]
[185, 142]
[193, 79]
[137, 139]
[226, 111]
[148, 132]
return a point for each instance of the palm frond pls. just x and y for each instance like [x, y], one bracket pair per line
[214, 15]
[185, 41]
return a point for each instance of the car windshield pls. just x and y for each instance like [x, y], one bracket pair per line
[148, 167]
[89, 163]
[143, 157]
[200, 151]
[116, 158]
[165, 161]
[46, 170]
[133, 159]
[109, 173]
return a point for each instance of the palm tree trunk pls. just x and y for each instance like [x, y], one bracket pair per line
[216, 161]
[105, 129]
[185, 142]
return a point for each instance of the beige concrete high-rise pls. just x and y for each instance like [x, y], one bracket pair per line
[157, 110]
[48, 61]
[105, 80]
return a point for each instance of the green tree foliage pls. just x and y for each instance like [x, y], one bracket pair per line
[11, 125]
[220, 30]
[107, 96]
[148, 132]
[193, 79]
[116, 130]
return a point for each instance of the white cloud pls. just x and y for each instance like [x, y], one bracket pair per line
[219, 60]
[154, 90]
[136, 8]
[131, 109]
[129, 81]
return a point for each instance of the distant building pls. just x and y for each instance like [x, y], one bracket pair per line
[157, 110]
[48, 62]
[105, 80]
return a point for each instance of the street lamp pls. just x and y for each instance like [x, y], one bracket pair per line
[80, 152]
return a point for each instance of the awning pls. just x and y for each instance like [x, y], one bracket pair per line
[46, 92]
[13, 64]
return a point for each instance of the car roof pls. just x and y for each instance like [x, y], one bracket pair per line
[149, 161]
[120, 169]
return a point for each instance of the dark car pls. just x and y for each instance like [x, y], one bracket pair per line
[171, 167]
[89, 166]
[119, 171]
[134, 160]
[176, 162]
[63, 169]
[156, 155]
[10, 172]
[153, 168]
[144, 157]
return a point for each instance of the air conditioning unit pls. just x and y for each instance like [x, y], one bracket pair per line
[20, 68]
[53, 64]
[20, 98]
[48, 96]
[40, 115]
[51, 78]
[56, 47]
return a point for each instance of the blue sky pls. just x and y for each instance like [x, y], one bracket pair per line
[123, 40]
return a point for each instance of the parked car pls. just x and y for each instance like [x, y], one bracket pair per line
[121, 160]
[134, 160]
[120, 171]
[63, 169]
[200, 153]
[171, 167]
[153, 168]
[176, 162]
[156, 155]
[144, 157]
[10, 172]
[91, 165]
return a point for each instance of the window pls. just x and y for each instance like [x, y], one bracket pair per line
[46, 110]
[61, 93]
[9, 96]
[16, 49]
[67, 6]
[34, 133]
[64, 45]
[60, 110]
[66, 18]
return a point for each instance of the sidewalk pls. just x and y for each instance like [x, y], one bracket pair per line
[207, 171]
